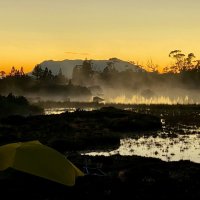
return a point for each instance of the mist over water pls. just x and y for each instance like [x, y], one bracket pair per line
[156, 94]
[135, 99]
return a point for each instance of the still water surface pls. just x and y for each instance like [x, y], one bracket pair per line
[167, 145]
[183, 147]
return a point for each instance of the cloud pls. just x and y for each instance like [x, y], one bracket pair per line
[77, 53]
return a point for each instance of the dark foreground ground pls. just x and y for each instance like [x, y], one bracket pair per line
[122, 178]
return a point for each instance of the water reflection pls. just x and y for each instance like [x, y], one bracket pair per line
[180, 142]
[53, 111]
[182, 147]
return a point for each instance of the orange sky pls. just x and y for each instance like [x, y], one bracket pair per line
[33, 31]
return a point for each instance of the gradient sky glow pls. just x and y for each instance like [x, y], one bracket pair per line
[32, 31]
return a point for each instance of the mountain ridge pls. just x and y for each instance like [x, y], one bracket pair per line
[68, 65]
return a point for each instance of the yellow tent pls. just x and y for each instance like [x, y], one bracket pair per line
[40, 160]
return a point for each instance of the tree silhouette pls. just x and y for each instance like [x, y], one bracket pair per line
[12, 71]
[151, 66]
[179, 60]
[181, 63]
[60, 78]
[87, 69]
[2, 74]
[82, 74]
[22, 71]
[38, 72]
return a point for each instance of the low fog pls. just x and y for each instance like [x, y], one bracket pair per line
[139, 86]
[129, 85]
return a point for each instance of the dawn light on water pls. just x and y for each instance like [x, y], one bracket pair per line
[184, 147]
[100, 99]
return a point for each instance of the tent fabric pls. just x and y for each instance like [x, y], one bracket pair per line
[40, 160]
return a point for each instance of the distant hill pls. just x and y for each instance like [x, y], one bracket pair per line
[98, 65]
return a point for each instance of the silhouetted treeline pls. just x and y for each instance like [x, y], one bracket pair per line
[182, 79]
[17, 105]
[43, 84]
[84, 74]
[142, 83]
[47, 76]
